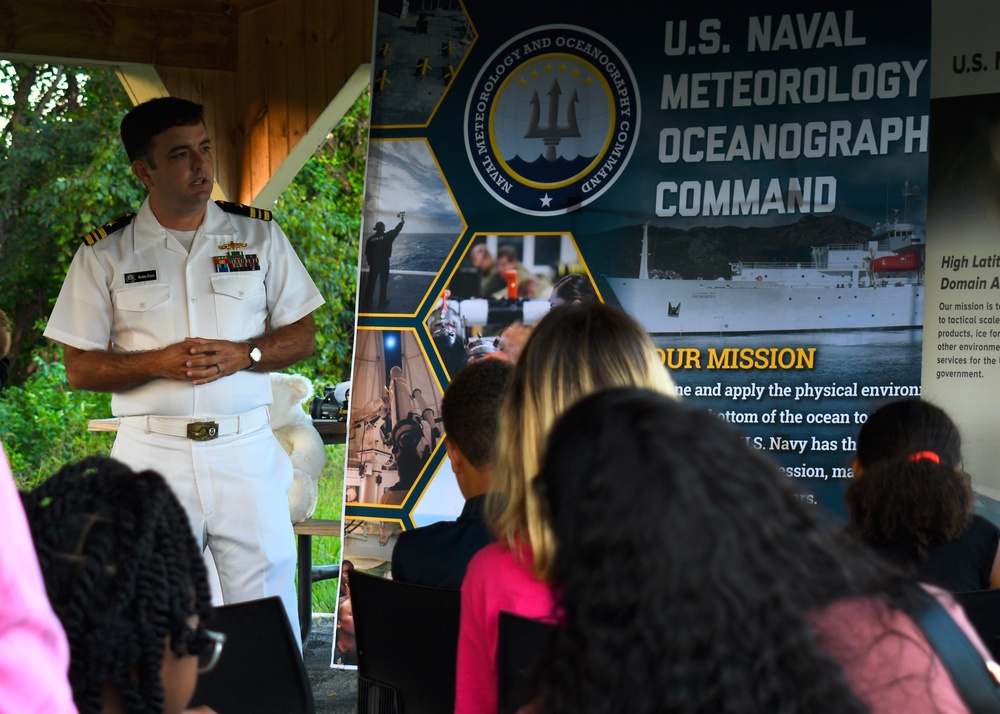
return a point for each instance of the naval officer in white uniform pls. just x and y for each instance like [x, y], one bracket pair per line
[181, 311]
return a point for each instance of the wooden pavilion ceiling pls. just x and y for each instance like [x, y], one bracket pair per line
[274, 75]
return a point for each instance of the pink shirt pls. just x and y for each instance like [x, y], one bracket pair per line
[34, 655]
[887, 659]
[495, 581]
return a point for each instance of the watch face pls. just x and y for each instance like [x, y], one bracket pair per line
[255, 354]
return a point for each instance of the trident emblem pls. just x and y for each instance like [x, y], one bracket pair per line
[553, 132]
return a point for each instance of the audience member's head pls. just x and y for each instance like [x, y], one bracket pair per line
[686, 567]
[908, 485]
[125, 576]
[572, 351]
[470, 411]
[575, 287]
[905, 427]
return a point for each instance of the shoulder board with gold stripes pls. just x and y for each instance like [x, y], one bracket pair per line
[107, 229]
[240, 210]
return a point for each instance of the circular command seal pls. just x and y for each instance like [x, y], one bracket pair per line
[552, 120]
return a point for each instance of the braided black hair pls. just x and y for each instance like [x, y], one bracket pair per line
[124, 574]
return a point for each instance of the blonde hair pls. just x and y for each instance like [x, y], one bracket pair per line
[575, 350]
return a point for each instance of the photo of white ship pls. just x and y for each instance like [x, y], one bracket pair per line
[874, 285]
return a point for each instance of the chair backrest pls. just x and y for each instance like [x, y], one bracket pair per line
[261, 667]
[982, 607]
[407, 638]
[522, 644]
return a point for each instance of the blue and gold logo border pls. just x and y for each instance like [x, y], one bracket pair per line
[566, 186]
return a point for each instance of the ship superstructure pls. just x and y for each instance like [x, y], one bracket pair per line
[860, 286]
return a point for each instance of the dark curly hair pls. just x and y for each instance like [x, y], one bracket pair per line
[686, 565]
[906, 426]
[123, 573]
[901, 494]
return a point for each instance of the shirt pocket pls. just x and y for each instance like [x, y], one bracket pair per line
[240, 305]
[143, 319]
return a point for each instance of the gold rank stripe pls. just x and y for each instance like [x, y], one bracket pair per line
[95, 236]
[107, 229]
[243, 210]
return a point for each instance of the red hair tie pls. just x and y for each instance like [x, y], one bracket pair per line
[929, 455]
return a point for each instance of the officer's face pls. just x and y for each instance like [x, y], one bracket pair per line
[180, 170]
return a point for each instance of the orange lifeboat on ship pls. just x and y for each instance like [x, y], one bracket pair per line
[902, 262]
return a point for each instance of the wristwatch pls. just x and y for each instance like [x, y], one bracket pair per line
[254, 354]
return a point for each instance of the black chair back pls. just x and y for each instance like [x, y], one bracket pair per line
[522, 645]
[982, 607]
[407, 638]
[261, 667]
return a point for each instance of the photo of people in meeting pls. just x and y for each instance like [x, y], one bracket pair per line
[503, 285]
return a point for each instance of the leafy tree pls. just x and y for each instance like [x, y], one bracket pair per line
[64, 172]
[321, 213]
[43, 424]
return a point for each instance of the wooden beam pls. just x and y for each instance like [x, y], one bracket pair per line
[117, 33]
[252, 106]
[317, 133]
[141, 81]
[205, 7]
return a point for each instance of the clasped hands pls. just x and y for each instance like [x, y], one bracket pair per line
[201, 361]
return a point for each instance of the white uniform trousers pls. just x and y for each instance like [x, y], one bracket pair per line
[235, 491]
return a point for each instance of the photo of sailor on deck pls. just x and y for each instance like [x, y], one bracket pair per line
[411, 225]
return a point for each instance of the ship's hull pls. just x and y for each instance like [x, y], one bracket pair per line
[722, 306]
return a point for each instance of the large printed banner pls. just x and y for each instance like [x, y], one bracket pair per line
[748, 182]
[961, 369]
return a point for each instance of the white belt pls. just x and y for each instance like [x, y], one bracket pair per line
[204, 430]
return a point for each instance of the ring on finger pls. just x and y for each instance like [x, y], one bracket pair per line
[218, 370]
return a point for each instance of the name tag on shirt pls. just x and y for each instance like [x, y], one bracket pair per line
[142, 276]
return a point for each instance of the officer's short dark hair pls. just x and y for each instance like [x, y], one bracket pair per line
[153, 117]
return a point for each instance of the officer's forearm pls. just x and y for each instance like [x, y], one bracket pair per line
[106, 371]
[286, 345]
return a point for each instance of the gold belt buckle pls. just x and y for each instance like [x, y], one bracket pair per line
[203, 430]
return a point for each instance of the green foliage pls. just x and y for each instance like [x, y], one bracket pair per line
[321, 213]
[64, 173]
[43, 425]
[326, 550]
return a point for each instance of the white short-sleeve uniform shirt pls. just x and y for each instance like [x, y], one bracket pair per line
[139, 289]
